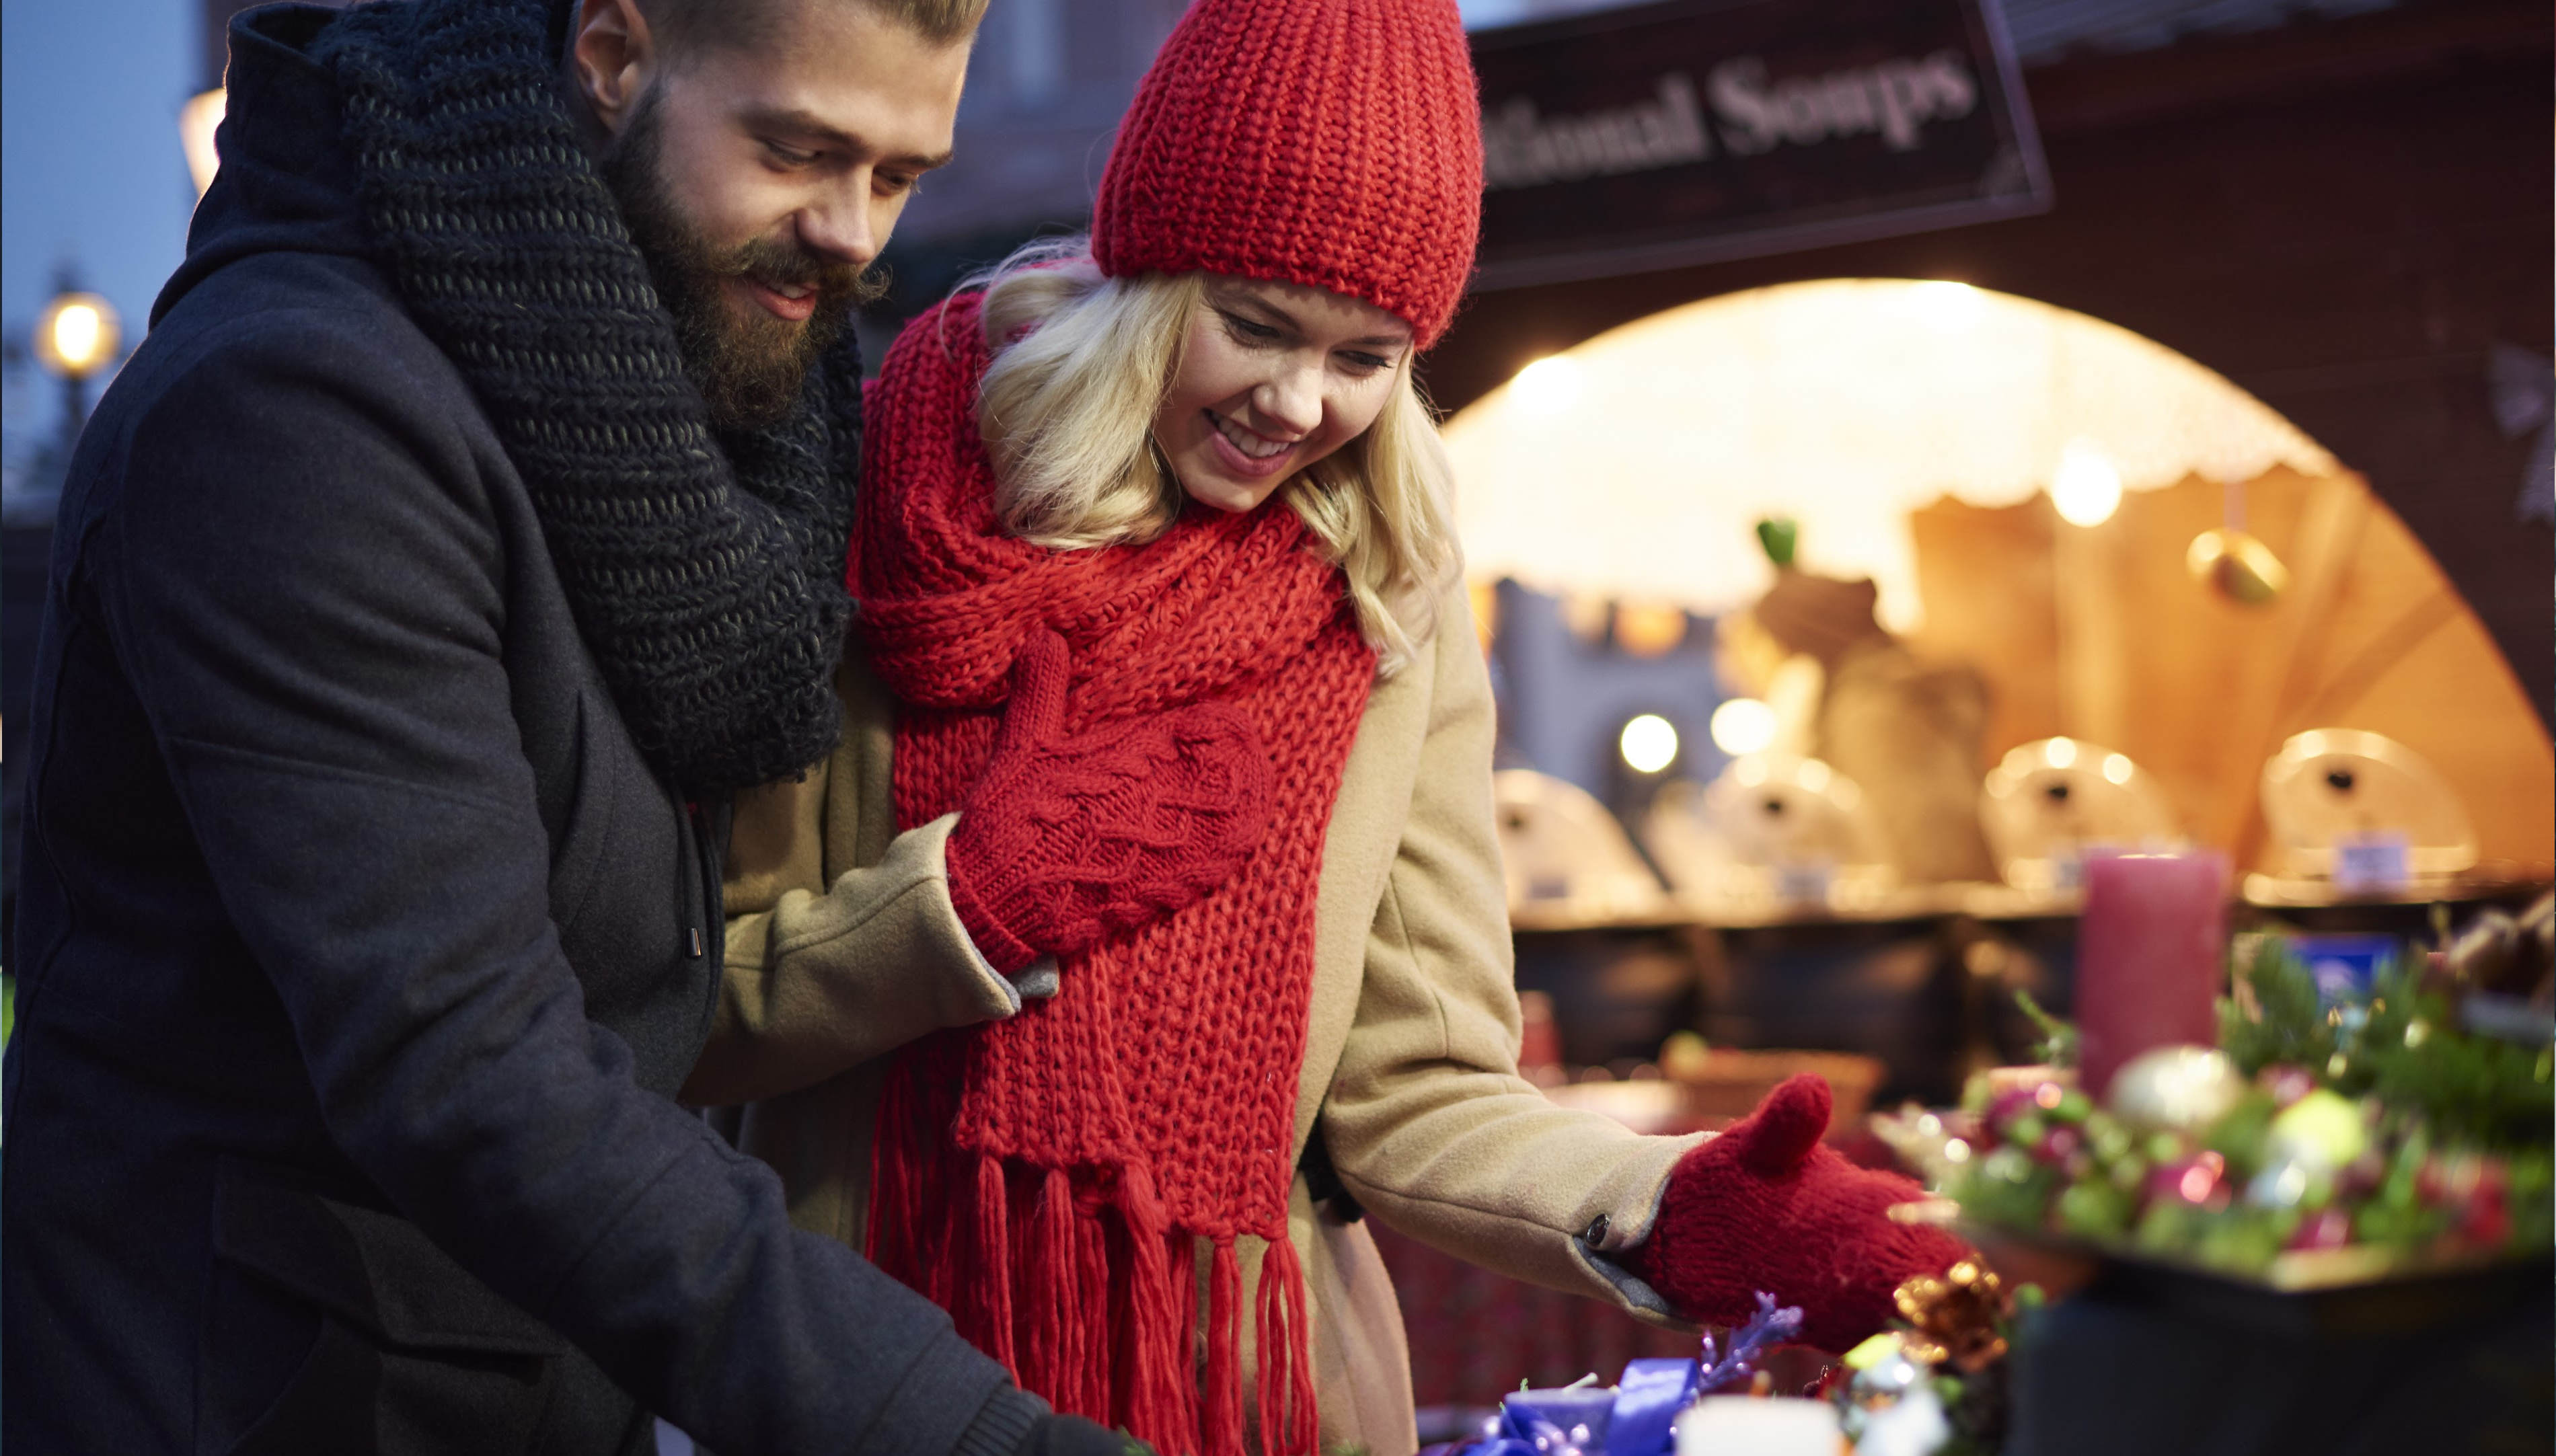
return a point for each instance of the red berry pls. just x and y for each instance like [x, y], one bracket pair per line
[2056, 1144]
[2327, 1227]
[2197, 1180]
[2286, 1083]
[2008, 1104]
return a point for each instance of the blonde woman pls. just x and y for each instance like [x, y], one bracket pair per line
[1155, 879]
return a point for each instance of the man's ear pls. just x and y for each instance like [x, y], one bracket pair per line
[615, 56]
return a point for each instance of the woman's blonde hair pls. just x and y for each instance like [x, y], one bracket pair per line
[1080, 366]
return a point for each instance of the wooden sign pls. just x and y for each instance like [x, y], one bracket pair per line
[1694, 130]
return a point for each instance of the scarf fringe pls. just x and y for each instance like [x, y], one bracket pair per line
[1092, 1300]
[1183, 1357]
[1223, 1393]
[1287, 1425]
[1162, 1306]
[987, 1288]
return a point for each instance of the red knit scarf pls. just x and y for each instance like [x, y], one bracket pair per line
[1048, 1179]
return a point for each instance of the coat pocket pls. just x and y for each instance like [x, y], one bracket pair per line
[334, 1326]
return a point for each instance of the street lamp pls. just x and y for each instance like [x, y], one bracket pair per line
[77, 335]
[198, 121]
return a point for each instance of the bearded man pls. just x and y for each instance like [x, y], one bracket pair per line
[469, 527]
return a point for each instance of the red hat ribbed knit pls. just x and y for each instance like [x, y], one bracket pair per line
[1336, 143]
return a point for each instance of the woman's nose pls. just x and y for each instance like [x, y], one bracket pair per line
[1293, 397]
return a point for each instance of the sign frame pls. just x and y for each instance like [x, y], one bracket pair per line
[1680, 132]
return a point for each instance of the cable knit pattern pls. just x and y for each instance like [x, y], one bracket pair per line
[1336, 143]
[1065, 841]
[714, 611]
[1047, 1178]
[1765, 1206]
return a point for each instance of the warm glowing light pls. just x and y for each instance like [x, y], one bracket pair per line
[76, 335]
[2117, 768]
[1649, 628]
[2060, 753]
[2088, 487]
[75, 331]
[1814, 775]
[1742, 726]
[1948, 307]
[1550, 384]
[1649, 744]
[196, 122]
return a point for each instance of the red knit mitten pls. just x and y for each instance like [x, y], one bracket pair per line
[1765, 1207]
[1065, 841]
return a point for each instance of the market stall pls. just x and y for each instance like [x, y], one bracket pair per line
[2172, 596]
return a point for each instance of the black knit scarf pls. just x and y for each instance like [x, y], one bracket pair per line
[705, 569]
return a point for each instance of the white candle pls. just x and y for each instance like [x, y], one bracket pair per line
[1744, 1425]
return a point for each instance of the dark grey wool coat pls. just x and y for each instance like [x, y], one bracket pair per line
[360, 950]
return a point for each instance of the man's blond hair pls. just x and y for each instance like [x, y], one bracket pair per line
[743, 23]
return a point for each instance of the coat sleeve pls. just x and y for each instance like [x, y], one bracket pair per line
[823, 982]
[843, 944]
[306, 583]
[1425, 1118]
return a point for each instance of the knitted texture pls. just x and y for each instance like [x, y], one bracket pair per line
[700, 567]
[1065, 841]
[1765, 1206]
[1051, 1179]
[1336, 143]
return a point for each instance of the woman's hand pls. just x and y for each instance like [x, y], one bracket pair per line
[1065, 841]
[1765, 1207]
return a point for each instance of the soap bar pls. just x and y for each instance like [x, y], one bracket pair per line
[1742, 1425]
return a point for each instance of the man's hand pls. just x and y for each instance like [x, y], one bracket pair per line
[1765, 1207]
[1065, 841]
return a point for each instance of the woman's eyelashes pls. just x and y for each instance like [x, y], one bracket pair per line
[1246, 331]
[1251, 334]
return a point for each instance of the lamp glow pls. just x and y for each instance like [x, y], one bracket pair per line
[2059, 753]
[196, 122]
[2087, 487]
[1742, 726]
[1550, 384]
[1948, 308]
[1649, 743]
[2117, 768]
[76, 335]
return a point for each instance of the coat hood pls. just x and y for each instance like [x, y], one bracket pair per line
[287, 176]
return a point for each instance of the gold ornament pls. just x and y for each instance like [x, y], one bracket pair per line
[1955, 1316]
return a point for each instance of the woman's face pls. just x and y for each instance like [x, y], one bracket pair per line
[1273, 377]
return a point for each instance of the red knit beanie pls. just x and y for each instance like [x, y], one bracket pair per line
[1336, 143]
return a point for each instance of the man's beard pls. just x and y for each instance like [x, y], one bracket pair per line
[750, 371]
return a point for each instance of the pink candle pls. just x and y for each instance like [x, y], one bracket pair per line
[2152, 949]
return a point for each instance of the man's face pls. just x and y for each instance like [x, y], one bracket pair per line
[759, 179]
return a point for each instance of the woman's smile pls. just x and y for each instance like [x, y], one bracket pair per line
[1248, 452]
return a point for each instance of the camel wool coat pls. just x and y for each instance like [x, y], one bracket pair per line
[842, 945]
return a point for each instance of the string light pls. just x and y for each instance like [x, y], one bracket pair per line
[2087, 488]
[1649, 743]
[1742, 726]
